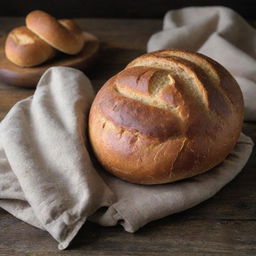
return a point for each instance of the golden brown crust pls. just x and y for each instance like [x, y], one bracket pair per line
[167, 116]
[26, 49]
[64, 35]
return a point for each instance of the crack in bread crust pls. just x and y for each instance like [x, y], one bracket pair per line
[196, 59]
[158, 83]
[205, 65]
[135, 115]
[179, 71]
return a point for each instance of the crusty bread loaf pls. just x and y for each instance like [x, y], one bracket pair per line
[167, 116]
[26, 49]
[64, 35]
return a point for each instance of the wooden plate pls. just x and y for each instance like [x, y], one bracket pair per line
[28, 77]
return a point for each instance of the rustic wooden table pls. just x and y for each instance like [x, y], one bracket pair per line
[223, 225]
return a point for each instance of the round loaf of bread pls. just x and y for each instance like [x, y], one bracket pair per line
[26, 49]
[64, 35]
[167, 116]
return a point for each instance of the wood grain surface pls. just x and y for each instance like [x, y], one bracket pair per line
[222, 225]
[28, 77]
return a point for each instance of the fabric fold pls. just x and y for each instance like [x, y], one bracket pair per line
[42, 137]
[219, 33]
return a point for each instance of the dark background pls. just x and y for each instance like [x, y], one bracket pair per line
[117, 8]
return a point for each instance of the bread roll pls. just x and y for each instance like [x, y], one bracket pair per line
[64, 35]
[167, 116]
[26, 49]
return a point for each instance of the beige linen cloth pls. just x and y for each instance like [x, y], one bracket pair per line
[220, 33]
[48, 180]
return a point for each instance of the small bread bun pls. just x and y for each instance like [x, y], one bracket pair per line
[64, 35]
[26, 49]
[167, 116]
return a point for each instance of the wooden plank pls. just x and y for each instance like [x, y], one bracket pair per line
[176, 235]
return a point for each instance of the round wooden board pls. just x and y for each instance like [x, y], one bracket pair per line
[28, 77]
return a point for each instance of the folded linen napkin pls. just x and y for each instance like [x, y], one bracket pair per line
[217, 32]
[46, 174]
